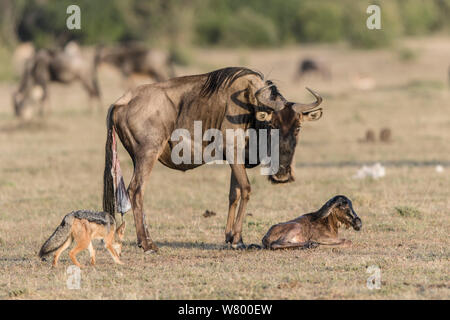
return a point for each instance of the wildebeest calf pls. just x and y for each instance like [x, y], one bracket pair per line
[316, 228]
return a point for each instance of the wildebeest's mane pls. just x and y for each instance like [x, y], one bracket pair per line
[224, 77]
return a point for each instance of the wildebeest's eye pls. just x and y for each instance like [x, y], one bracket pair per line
[297, 130]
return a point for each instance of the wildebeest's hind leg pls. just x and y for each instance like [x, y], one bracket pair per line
[290, 245]
[143, 166]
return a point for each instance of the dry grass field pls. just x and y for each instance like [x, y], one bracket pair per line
[53, 166]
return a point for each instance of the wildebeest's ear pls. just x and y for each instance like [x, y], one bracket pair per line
[323, 213]
[312, 115]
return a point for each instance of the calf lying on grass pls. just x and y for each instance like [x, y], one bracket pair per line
[316, 228]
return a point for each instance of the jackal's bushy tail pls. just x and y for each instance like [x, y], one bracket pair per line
[115, 196]
[58, 238]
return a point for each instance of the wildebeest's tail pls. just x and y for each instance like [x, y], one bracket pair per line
[58, 238]
[115, 195]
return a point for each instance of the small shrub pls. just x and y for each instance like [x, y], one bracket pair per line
[180, 56]
[326, 26]
[407, 54]
[406, 211]
[418, 16]
[360, 36]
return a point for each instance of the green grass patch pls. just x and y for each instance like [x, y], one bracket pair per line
[406, 211]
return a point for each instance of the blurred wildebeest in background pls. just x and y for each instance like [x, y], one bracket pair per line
[136, 59]
[22, 53]
[310, 66]
[59, 65]
[369, 137]
[385, 135]
[230, 98]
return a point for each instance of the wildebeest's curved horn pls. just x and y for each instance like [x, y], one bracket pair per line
[274, 105]
[301, 107]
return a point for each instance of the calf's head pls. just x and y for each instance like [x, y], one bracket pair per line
[277, 113]
[343, 209]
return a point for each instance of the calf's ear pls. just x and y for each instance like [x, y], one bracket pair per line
[312, 115]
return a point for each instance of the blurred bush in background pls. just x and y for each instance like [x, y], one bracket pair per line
[227, 23]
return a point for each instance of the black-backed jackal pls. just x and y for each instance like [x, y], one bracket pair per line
[82, 227]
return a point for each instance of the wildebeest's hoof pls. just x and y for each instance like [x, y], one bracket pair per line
[148, 247]
[228, 238]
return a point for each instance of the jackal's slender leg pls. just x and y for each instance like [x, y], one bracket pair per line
[244, 186]
[81, 245]
[60, 250]
[80, 233]
[113, 253]
[234, 196]
[91, 253]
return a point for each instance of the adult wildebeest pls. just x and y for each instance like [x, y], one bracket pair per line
[230, 98]
[136, 59]
[316, 228]
[63, 66]
[309, 66]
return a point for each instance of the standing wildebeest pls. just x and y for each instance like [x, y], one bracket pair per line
[316, 228]
[136, 59]
[230, 98]
[63, 66]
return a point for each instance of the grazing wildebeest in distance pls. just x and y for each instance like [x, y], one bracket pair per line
[370, 136]
[309, 66]
[58, 65]
[230, 98]
[316, 228]
[22, 53]
[385, 135]
[136, 59]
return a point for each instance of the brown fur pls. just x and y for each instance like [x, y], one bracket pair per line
[316, 228]
[145, 117]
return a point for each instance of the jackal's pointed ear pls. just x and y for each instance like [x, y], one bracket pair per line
[121, 229]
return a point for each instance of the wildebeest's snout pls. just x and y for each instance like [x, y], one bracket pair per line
[357, 224]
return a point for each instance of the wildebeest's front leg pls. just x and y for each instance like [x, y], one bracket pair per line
[240, 176]
[234, 196]
[293, 245]
[335, 242]
[143, 166]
